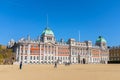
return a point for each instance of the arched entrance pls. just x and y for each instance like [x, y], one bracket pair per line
[78, 59]
[84, 61]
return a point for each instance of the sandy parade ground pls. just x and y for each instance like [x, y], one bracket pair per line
[62, 72]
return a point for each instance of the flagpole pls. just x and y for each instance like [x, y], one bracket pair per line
[79, 36]
[47, 20]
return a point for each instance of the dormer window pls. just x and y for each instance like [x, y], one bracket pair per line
[48, 38]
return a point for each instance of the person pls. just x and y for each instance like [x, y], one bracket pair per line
[21, 65]
[83, 61]
[55, 66]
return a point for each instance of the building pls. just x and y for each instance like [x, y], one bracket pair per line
[114, 54]
[46, 50]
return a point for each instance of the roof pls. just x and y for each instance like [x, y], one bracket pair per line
[101, 39]
[47, 31]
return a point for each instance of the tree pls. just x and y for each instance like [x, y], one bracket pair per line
[0, 47]
[1, 59]
[6, 55]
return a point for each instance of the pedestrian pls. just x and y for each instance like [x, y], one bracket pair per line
[83, 61]
[55, 66]
[21, 65]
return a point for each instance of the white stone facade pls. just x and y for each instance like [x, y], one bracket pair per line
[46, 50]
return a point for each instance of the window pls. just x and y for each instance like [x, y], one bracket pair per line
[55, 58]
[93, 59]
[118, 59]
[76, 58]
[31, 57]
[34, 57]
[21, 51]
[42, 58]
[45, 57]
[25, 57]
[52, 57]
[112, 54]
[26, 51]
[72, 53]
[117, 54]
[49, 38]
[37, 57]
[49, 57]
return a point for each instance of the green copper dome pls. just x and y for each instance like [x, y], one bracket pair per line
[101, 39]
[47, 31]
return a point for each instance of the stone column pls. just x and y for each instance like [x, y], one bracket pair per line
[17, 54]
[77, 55]
[88, 54]
[47, 53]
[56, 54]
[44, 53]
[28, 53]
[70, 55]
[99, 57]
[39, 53]
[20, 53]
[82, 56]
[23, 53]
[51, 54]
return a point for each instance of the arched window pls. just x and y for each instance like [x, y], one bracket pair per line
[37, 57]
[31, 57]
[52, 57]
[34, 57]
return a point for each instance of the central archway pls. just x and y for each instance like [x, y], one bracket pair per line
[84, 60]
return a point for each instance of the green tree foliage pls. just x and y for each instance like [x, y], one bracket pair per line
[0, 47]
[6, 56]
[1, 59]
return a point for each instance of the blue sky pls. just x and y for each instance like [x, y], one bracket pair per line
[66, 18]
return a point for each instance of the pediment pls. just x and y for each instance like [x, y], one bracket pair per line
[50, 43]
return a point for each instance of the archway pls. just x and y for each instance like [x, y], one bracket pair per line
[79, 59]
[84, 61]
